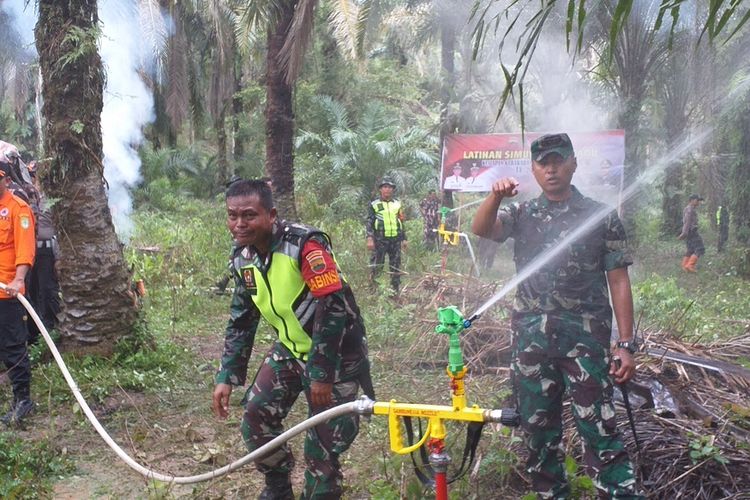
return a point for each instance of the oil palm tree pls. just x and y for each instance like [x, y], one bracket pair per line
[350, 158]
[288, 26]
[95, 281]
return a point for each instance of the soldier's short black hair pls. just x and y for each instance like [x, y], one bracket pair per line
[251, 187]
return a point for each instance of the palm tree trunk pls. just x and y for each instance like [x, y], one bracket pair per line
[447, 62]
[222, 162]
[95, 282]
[238, 142]
[279, 116]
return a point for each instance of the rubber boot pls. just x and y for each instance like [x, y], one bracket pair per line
[19, 410]
[278, 487]
[685, 262]
[692, 261]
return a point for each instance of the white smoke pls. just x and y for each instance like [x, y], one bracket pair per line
[128, 103]
[24, 18]
[558, 96]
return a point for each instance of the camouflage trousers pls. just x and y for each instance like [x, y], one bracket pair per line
[430, 236]
[540, 382]
[278, 383]
[392, 248]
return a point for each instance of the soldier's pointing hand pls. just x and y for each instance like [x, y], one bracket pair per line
[506, 187]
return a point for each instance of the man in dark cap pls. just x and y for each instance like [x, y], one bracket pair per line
[286, 273]
[693, 240]
[385, 233]
[562, 320]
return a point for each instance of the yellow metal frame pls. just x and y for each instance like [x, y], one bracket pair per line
[436, 415]
[449, 237]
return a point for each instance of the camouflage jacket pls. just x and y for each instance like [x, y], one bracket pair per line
[333, 322]
[430, 212]
[574, 282]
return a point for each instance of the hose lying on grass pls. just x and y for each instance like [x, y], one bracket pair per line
[362, 406]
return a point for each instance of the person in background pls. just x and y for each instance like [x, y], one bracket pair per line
[385, 233]
[562, 320]
[693, 241]
[17, 250]
[430, 210]
[43, 287]
[286, 273]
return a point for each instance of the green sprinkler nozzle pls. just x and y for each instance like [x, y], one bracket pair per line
[452, 323]
[444, 211]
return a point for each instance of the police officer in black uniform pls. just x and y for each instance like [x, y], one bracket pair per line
[42, 284]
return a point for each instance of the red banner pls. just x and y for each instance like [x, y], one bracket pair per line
[472, 163]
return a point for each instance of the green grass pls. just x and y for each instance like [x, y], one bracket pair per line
[180, 249]
[27, 468]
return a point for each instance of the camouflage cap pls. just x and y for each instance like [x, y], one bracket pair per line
[387, 181]
[551, 143]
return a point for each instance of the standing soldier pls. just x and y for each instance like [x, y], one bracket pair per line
[693, 241]
[286, 273]
[17, 249]
[722, 222]
[430, 209]
[562, 320]
[385, 233]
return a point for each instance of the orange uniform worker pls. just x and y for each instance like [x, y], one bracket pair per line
[17, 250]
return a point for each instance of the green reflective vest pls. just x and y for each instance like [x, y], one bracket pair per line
[386, 217]
[278, 290]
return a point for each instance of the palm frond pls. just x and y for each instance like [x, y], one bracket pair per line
[247, 35]
[370, 15]
[153, 26]
[306, 138]
[342, 136]
[178, 87]
[297, 39]
[255, 14]
[335, 112]
[345, 23]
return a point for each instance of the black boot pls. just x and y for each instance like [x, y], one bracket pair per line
[278, 487]
[19, 410]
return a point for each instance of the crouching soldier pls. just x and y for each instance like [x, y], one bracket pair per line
[286, 273]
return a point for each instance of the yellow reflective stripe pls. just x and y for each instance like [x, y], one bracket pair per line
[388, 212]
[275, 302]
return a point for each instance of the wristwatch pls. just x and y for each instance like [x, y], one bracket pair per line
[630, 345]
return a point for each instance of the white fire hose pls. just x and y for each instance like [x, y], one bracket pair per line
[363, 406]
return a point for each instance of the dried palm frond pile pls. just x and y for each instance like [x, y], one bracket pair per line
[691, 402]
[486, 346]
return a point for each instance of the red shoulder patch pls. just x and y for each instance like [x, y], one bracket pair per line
[319, 270]
[316, 261]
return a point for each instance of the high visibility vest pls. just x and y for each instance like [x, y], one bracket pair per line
[386, 217]
[279, 292]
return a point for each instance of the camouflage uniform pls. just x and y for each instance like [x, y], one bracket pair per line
[387, 237]
[562, 322]
[335, 352]
[430, 209]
